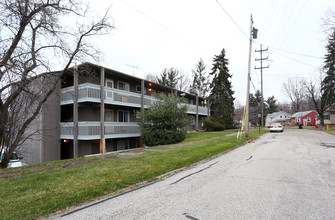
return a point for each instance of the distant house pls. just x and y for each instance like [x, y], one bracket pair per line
[329, 116]
[281, 117]
[305, 118]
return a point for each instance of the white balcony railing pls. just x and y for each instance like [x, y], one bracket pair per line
[120, 129]
[92, 130]
[192, 109]
[89, 92]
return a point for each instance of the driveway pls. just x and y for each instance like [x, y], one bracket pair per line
[289, 175]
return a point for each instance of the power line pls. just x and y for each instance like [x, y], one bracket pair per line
[300, 54]
[162, 26]
[293, 59]
[231, 18]
[253, 84]
[288, 33]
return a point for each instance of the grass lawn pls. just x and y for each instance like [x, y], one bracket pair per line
[38, 195]
[197, 136]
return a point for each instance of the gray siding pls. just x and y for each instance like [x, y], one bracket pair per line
[51, 130]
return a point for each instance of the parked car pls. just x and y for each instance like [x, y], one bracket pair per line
[14, 161]
[276, 127]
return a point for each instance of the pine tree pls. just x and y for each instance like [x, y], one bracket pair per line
[255, 107]
[221, 96]
[328, 83]
[169, 77]
[200, 85]
[271, 105]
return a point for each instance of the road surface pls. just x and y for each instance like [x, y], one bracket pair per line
[289, 175]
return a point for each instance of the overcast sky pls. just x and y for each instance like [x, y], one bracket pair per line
[151, 35]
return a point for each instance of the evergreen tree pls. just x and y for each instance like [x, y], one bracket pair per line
[255, 107]
[169, 77]
[200, 85]
[271, 105]
[328, 83]
[221, 96]
[164, 122]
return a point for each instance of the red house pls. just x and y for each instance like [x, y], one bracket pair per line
[304, 118]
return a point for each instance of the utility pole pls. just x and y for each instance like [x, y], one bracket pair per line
[253, 35]
[261, 68]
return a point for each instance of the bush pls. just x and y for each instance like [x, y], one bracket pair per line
[213, 125]
[164, 122]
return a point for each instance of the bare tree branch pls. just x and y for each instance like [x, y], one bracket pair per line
[32, 40]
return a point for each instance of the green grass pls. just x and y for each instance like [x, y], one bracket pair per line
[38, 195]
[197, 136]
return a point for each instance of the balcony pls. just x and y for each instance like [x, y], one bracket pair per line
[89, 92]
[122, 130]
[92, 130]
[192, 109]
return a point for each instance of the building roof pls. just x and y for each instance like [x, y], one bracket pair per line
[275, 114]
[127, 76]
[301, 114]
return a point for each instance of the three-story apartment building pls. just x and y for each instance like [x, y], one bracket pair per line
[95, 110]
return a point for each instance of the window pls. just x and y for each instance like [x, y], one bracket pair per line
[109, 83]
[123, 86]
[309, 119]
[138, 88]
[281, 116]
[123, 116]
[298, 119]
[326, 117]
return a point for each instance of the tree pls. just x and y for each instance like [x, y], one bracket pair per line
[322, 92]
[255, 107]
[164, 122]
[294, 89]
[321, 100]
[221, 96]
[183, 82]
[151, 77]
[328, 83]
[169, 77]
[34, 39]
[200, 85]
[271, 105]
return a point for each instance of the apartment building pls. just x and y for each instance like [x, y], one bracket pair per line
[95, 110]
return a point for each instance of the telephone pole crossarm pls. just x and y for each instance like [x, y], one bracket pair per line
[261, 68]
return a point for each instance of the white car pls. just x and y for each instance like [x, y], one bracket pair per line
[276, 127]
[14, 161]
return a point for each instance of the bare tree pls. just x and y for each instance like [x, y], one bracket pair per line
[294, 89]
[151, 77]
[35, 37]
[320, 99]
[183, 82]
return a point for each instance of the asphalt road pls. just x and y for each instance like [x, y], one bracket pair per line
[289, 175]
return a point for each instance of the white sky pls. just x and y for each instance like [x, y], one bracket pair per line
[153, 35]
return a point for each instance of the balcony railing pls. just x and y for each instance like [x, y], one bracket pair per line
[92, 130]
[192, 109]
[89, 92]
[117, 129]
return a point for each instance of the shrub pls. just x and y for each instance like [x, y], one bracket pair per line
[213, 125]
[164, 122]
